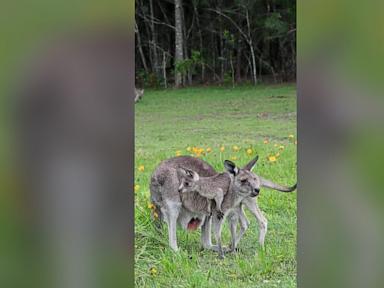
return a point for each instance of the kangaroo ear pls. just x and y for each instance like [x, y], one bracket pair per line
[186, 173]
[195, 176]
[181, 173]
[231, 167]
[251, 164]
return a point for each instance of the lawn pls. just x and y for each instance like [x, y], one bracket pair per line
[228, 123]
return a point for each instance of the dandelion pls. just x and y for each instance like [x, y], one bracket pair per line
[249, 151]
[151, 206]
[222, 149]
[178, 153]
[209, 150]
[277, 154]
[276, 145]
[281, 147]
[141, 168]
[153, 271]
[189, 149]
[266, 141]
[137, 187]
[235, 148]
[272, 158]
[291, 136]
[234, 158]
[155, 215]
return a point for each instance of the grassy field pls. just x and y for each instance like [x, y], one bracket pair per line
[218, 123]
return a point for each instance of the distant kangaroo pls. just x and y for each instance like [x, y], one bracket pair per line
[190, 210]
[138, 94]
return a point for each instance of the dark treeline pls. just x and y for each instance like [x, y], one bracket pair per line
[180, 43]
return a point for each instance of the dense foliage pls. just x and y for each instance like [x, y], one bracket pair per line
[215, 41]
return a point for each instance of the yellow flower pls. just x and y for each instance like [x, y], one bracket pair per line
[234, 158]
[277, 154]
[178, 153]
[141, 168]
[153, 271]
[266, 141]
[155, 215]
[272, 158]
[276, 145]
[249, 151]
[281, 147]
[137, 187]
[209, 149]
[222, 148]
[151, 206]
[291, 136]
[189, 149]
[235, 148]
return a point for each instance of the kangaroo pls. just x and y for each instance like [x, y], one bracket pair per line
[190, 181]
[187, 209]
[138, 94]
[238, 184]
[190, 210]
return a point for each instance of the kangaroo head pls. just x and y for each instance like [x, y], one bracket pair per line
[248, 184]
[245, 182]
[188, 180]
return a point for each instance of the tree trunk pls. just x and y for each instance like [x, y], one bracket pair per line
[200, 40]
[238, 62]
[179, 55]
[251, 48]
[188, 74]
[165, 70]
[232, 70]
[155, 62]
[140, 47]
[254, 68]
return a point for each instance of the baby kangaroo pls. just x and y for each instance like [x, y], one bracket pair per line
[209, 187]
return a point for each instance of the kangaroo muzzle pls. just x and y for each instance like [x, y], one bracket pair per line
[255, 192]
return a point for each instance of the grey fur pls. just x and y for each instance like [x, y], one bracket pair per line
[190, 181]
[237, 184]
[174, 207]
[138, 94]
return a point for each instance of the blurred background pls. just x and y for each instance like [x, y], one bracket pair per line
[340, 131]
[66, 144]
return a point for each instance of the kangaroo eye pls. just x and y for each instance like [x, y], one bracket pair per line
[187, 184]
[243, 181]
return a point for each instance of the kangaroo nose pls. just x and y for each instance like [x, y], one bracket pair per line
[256, 192]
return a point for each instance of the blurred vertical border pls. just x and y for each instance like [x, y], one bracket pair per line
[67, 143]
[341, 140]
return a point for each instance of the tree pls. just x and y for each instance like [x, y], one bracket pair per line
[179, 46]
[262, 46]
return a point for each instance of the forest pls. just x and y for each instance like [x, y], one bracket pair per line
[184, 43]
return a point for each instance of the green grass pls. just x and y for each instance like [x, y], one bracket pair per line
[169, 121]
